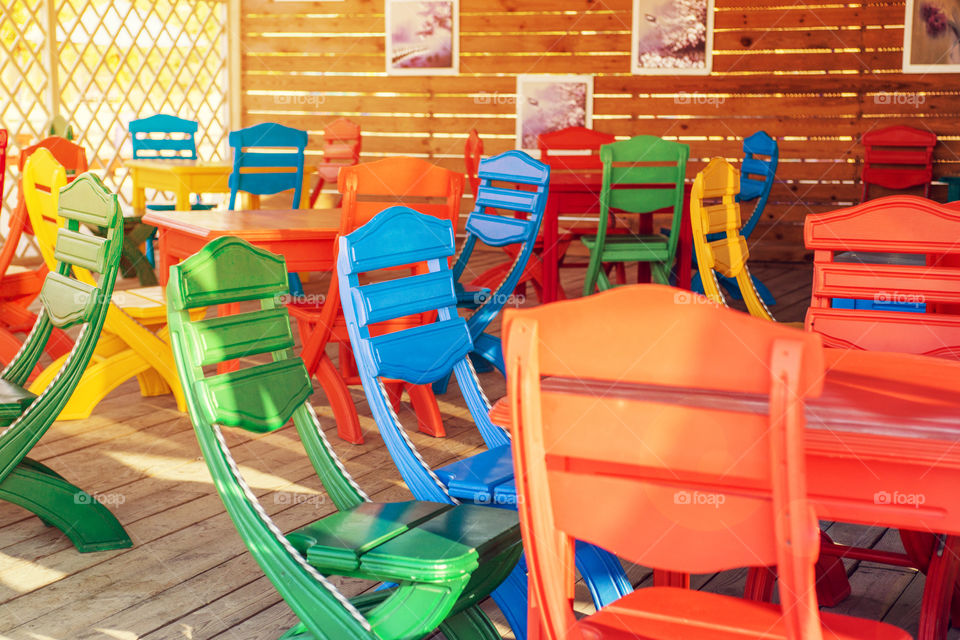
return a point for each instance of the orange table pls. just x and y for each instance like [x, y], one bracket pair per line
[304, 237]
[882, 447]
[582, 192]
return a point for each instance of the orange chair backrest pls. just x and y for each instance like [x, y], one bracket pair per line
[707, 488]
[371, 187]
[472, 152]
[894, 224]
[341, 147]
[898, 157]
[72, 156]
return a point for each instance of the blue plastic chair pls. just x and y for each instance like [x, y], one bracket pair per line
[164, 137]
[268, 146]
[397, 237]
[756, 179]
[493, 222]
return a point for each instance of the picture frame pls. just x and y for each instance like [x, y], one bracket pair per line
[931, 36]
[548, 103]
[672, 37]
[422, 37]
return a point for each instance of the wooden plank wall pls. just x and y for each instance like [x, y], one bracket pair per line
[816, 74]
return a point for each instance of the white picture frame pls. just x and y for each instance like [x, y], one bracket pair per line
[548, 103]
[931, 37]
[660, 27]
[419, 40]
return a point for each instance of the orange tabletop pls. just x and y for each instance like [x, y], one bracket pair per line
[305, 237]
[882, 443]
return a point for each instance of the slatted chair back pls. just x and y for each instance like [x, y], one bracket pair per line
[893, 224]
[67, 301]
[718, 238]
[897, 157]
[761, 155]
[267, 159]
[342, 142]
[574, 153]
[472, 153]
[163, 136]
[732, 495]
[509, 208]
[42, 179]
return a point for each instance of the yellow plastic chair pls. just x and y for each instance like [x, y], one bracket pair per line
[714, 209]
[135, 339]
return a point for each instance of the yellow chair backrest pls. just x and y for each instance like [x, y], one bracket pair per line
[714, 210]
[43, 177]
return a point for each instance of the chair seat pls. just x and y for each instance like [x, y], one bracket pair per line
[485, 478]
[14, 400]
[145, 304]
[669, 613]
[407, 541]
[630, 248]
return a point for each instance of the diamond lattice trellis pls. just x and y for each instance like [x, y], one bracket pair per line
[116, 60]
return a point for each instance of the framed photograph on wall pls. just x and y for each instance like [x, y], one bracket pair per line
[931, 36]
[551, 103]
[672, 37]
[423, 37]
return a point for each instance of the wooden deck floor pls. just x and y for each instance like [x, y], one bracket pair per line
[188, 575]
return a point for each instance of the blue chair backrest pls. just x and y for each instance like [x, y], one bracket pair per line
[757, 175]
[177, 137]
[263, 146]
[401, 237]
[529, 196]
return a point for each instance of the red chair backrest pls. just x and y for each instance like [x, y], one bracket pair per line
[341, 147]
[575, 150]
[72, 156]
[894, 224]
[472, 152]
[706, 489]
[898, 158]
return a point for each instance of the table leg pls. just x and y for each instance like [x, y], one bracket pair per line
[163, 258]
[139, 194]
[953, 190]
[551, 268]
[183, 197]
[685, 247]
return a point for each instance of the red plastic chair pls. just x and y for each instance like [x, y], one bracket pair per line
[341, 148]
[898, 158]
[903, 225]
[472, 152]
[367, 189]
[696, 490]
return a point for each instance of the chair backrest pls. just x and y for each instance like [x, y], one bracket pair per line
[573, 148]
[472, 152]
[761, 155]
[58, 126]
[67, 300]
[720, 245]
[713, 488]
[41, 181]
[400, 237]
[261, 397]
[642, 175]
[164, 136]
[342, 141]
[262, 147]
[898, 157]
[893, 224]
[511, 183]
[72, 156]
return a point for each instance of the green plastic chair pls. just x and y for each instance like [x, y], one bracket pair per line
[25, 417]
[640, 175]
[439, 559]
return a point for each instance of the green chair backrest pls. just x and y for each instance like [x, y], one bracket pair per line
[67, 301]
[260, 397]
[641, 175]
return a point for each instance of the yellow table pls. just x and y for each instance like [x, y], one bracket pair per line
[183, 177]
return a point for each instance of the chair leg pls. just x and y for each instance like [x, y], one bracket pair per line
[490, 349]
[938, 591]
[602, 573]
[833, 587]
[9, 348]
[511, 597]
[424, 402]
[344, 412]
[920, 546]
[760, 582]
[471, 624]
[296, 287]
[89, 525]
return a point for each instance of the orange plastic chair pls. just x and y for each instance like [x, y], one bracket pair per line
[341, 148]
[898, 158]
[367, 189]
[699, 489]
[472, 152]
